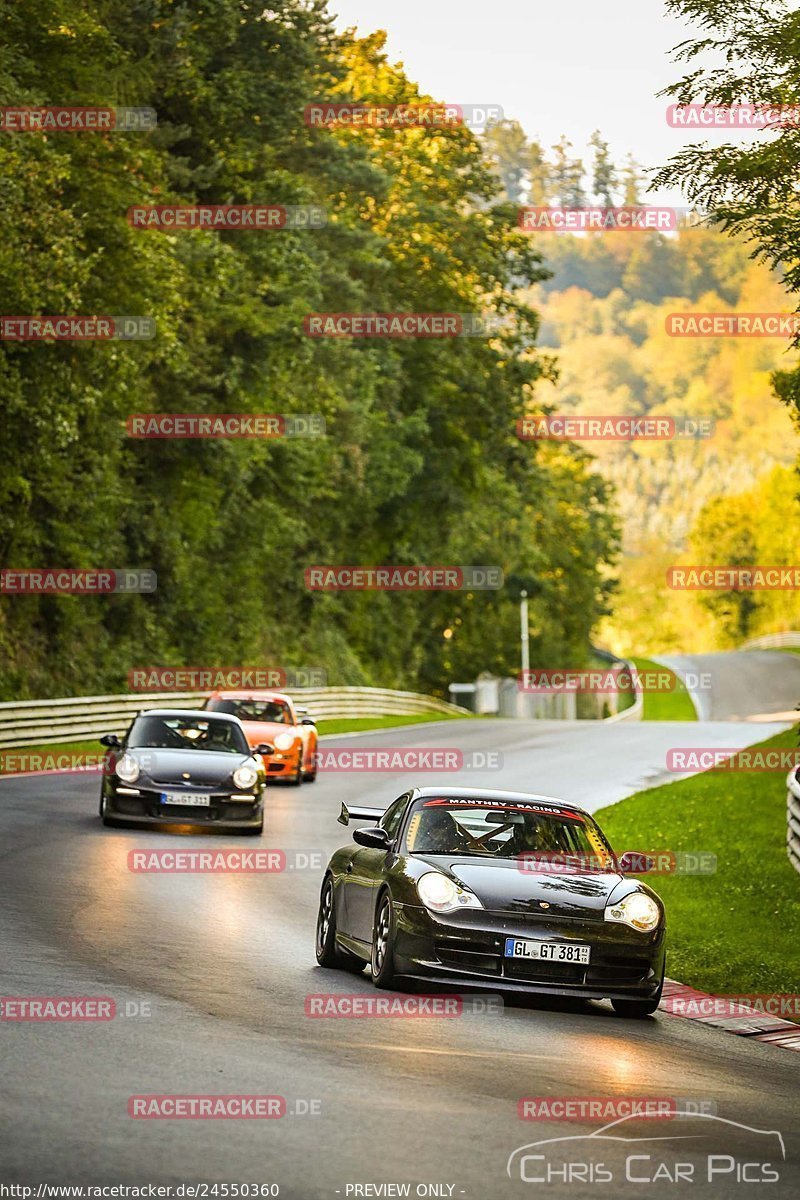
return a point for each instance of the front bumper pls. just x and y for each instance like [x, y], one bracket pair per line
[467, 949]
[145, 808]
[282, 766]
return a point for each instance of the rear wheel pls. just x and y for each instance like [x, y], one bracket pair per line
[328, 953]
[382, 963]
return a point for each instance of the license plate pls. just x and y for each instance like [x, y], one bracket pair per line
[565, 952]
[185, 801]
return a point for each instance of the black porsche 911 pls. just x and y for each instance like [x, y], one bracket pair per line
[492, 889]
[175, 767]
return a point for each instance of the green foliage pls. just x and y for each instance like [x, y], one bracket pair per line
[749, 187]
[420, 463]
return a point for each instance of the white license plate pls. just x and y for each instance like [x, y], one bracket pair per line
[185, 801]
[562, 952]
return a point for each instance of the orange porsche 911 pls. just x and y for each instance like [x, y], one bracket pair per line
[272, 717]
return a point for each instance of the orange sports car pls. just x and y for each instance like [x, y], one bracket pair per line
[272, 717]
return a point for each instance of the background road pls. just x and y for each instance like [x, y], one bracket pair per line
[225, 962]
[746, 684]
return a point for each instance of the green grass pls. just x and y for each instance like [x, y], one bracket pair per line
[665, 706]
[92, 747]
[356, 724]
[734, 931]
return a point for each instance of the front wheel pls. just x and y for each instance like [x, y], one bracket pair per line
[108, 821]
[636, 1008]
[254, 830]
[382, 962]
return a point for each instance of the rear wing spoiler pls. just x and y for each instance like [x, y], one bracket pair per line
[353, 813]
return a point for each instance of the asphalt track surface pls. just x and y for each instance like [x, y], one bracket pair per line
[224, 962]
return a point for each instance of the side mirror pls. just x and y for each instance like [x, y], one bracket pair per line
[307, 721]
[376, 839]
[264, 748]
[111, 740]
[633, 862]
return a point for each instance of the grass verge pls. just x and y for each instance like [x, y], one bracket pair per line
[356, 724]
[665, 706]
[734, 931]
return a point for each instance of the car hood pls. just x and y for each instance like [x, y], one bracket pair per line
[204, 767]
[501, 886]
[266, 731]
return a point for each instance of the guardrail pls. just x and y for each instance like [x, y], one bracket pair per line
[793, 821]
[79, 718]
[773, 641]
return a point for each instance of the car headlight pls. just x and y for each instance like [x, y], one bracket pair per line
[439, 893]
[284, 741]
[245, 776]
[127, 769]
[637, 910]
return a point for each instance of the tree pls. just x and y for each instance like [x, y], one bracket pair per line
[747, 187]
[420, 463]
[507, 149]
[539, 176]
[567, 176]
[604, 175]
[631, 181]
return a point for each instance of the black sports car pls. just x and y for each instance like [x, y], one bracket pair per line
[492, 889]
[175, 767]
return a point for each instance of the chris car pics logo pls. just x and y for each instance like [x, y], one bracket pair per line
[636, 1149]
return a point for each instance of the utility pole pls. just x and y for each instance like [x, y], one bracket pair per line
[523, 627]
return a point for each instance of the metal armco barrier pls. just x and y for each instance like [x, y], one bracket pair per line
[793, 821]
[773, 641]
[49, 722]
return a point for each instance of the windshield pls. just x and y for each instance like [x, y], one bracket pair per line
[254, 710]
[187, 733]
[498, 830]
